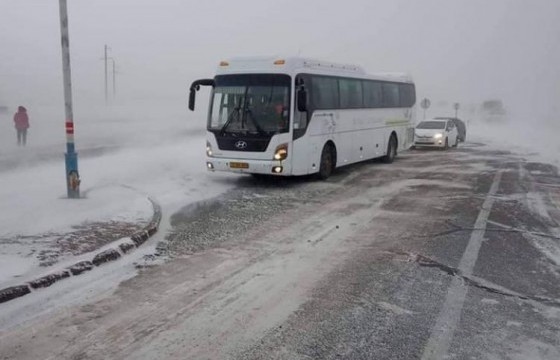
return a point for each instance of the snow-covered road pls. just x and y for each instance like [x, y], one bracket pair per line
[359, 266]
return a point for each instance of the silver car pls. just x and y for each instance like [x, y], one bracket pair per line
[436, 133]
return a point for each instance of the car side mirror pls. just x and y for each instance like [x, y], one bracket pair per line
[302, 99]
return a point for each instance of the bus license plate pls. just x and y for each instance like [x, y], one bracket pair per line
[239, 165]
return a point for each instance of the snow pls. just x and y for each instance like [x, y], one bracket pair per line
[74, 290]
[40, 206]
[397, 310]
[141, 152]
[530, 349]
[489, 301]
[533, 139]
[144, 154]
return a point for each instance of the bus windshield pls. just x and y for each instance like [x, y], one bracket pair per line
[256, 104]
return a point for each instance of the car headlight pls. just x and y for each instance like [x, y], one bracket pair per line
[281, 152]
[438, 136]
[209, 152]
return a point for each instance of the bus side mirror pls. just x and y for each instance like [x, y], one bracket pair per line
[195, 86]
[192, 97]
[302, 100]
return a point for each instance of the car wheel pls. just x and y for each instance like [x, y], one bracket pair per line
[446, 146]
[327, 164]
[391, 150]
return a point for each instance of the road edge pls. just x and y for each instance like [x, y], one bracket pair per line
[135, 240]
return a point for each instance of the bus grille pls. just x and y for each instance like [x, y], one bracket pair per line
[242, 144]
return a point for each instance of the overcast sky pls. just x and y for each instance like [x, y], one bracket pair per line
[457, 50]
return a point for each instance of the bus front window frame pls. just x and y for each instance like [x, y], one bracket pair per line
[251, 104]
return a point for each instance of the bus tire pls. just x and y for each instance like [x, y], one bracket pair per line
[391, 150]
[326, 166]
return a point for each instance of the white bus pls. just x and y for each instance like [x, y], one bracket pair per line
[298, 116]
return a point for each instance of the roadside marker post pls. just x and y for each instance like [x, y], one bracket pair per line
[71, 157]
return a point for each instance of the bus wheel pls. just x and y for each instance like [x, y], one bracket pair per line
[327, 163]
[391, 150]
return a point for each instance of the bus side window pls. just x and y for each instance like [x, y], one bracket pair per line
[390, 95]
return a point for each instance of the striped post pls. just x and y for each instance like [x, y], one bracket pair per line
[71, 157]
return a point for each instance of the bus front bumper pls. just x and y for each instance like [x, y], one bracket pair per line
[268, 167]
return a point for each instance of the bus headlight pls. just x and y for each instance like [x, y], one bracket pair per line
[438, 136]
[281, 152]
[209, 152]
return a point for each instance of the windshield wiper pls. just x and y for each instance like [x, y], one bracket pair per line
[236, 115]
[231, 117]
[254, 121]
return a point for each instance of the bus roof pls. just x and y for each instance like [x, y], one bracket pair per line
[293, 65]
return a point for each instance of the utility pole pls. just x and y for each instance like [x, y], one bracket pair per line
[105, 59]
[114, 81]
[71, 157]
[106, 91]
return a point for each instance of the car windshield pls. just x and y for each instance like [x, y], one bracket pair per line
[431, 125]
[250, 104]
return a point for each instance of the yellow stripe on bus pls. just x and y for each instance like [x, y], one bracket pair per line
[397, 122]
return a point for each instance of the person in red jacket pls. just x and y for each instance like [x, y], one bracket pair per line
[21, 121]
